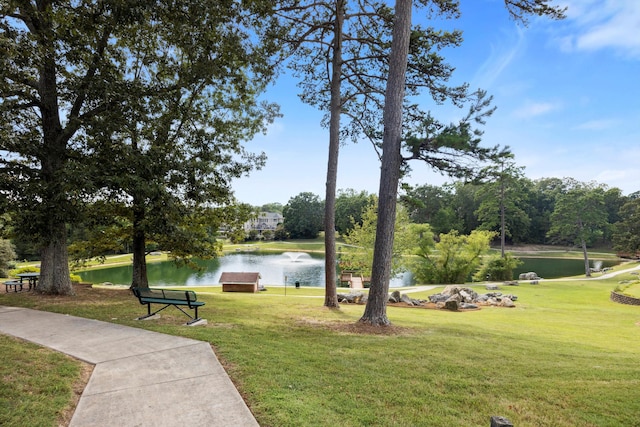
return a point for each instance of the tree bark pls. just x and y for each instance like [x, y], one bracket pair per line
[139, 278]
[331, 295]
[54, 264]
[376, 309]
[587, 270]
[502, 228]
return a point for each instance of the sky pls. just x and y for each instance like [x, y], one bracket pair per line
[567, 95]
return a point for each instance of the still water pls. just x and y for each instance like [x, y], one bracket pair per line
[275, 269]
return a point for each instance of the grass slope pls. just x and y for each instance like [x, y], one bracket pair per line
[565, 356]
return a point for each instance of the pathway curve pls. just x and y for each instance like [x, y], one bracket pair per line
[141, 378]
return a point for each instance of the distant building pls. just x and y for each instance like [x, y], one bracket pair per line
[264, 221]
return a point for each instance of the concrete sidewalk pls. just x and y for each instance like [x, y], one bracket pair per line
[141, 378]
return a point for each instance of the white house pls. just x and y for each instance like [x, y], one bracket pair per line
[264, 221]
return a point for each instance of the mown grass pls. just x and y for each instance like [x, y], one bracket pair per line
[37, 384]
[565, 356]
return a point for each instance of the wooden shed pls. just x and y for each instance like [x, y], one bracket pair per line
[240, 282]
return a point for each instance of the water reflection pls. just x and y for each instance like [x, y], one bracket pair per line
[307, 269]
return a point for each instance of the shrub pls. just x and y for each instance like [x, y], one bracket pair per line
[27, 269]
[498, 268]
[7, 255]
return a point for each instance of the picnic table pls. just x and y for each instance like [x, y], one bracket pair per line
[18, 283]
[32, 279]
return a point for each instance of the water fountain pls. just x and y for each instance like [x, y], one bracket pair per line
[297, 257]
[597, 266]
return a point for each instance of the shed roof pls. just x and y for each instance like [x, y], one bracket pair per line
[243, 277]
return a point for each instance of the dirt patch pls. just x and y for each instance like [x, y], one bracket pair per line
[357, 328]
[86, 369]
[84, 294]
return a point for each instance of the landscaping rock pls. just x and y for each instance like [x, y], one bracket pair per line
[457, 297]
[452, 304]
[529, 276]
[352, 298]
[507, 302]
[408, 300]
[436, 298]
[498, 421]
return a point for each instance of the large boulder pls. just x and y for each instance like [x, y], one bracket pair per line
[528, 276]
[452, 304]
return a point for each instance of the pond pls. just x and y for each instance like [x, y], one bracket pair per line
[551, 268]
[275, 269]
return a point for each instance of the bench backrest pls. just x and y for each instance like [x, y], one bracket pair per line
[165, 294]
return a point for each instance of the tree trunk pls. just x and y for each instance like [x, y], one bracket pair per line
[54, 264]
[376, 309]
[502, 229]
[331, 295]
[139, 278]
[587, 270]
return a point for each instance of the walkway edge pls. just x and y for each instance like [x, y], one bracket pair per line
[140, 377]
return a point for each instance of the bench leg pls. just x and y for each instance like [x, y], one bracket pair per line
[149, 313]
[193, 319]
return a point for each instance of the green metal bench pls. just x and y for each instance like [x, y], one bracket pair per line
[166, 297]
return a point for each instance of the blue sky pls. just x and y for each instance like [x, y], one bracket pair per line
[567, 95]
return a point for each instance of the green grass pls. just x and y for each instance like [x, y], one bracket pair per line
[311, 245]
[565, 356]
[633, 290]
[37, 384]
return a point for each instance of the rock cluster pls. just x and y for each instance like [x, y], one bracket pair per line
[353, 298]
[529, 276]
[453, 297]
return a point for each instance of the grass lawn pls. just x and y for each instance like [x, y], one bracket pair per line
[40, 387]
[565, 356]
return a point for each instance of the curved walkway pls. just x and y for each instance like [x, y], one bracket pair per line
[140, 377]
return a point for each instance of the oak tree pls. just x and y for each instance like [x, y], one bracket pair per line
[79, 76]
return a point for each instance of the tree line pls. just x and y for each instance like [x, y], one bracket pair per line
[546, 211]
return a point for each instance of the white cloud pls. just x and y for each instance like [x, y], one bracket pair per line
[603, 24]
[597, 124]
[534, 109]
[500, 58]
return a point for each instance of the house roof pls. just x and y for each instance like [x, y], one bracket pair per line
[239, 278]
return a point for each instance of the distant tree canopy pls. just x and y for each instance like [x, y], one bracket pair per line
[303, 216]
[275, 207]
[626, 237]
[457, 206]
[350, 206]
[580, 218]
